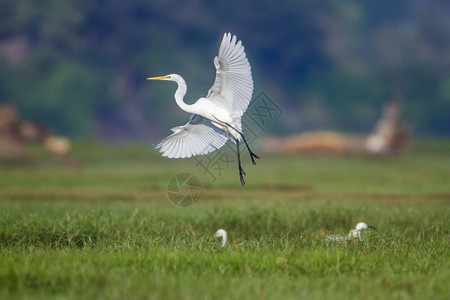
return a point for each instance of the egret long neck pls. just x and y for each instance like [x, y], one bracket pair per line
[180, 93]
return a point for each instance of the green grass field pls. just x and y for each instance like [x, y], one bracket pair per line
[104, 227]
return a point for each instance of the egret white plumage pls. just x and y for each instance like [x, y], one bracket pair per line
[356, 233]
[215, 118]
[353, 234]
[221, 233]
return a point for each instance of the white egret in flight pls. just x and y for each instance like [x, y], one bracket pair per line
[216, 118]
[221, 233]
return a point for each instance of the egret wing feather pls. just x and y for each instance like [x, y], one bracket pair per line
[198, 137]
[233, 86]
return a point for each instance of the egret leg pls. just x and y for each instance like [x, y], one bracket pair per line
[252, 154]
[241, 171]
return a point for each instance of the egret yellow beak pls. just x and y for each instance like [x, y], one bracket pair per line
[158, 78]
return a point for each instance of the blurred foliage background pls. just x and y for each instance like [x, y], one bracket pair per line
[81, 66]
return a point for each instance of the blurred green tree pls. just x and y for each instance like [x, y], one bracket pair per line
[81, 65]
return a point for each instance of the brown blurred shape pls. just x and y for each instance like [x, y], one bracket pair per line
[15, 134]
[391, 135]
[320, 142]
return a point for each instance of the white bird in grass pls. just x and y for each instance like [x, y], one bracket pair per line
[216, 118]
[221, 233]
[353, 234]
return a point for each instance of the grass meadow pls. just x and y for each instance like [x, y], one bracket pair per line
[102, 227]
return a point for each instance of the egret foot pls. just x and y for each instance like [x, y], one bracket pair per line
[241, 175]
[255, 156]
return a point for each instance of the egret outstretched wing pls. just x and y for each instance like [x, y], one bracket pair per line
[233, 86]
[198, 137]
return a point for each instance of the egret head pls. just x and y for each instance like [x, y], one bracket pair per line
[362, 225]
[170, 77]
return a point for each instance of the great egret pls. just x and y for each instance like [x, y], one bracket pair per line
[216, 118]
[221, 233]
[356, 233]
[353, 234]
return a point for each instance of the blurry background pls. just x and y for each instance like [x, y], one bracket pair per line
[81, 66]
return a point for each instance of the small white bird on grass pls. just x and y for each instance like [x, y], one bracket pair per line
[221, 233]
[353, 234]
